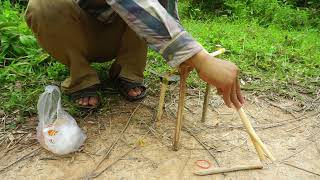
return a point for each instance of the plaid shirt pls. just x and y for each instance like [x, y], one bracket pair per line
[156, 21]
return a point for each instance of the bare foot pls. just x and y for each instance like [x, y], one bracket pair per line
[135, 92]
[88, 101]
[93, 101]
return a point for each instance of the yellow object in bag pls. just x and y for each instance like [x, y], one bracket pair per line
[57, 130]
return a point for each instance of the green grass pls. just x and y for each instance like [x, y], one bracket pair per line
[272, 59]
[269, 58]
[286, 62]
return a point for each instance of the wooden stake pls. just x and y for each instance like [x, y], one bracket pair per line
[184, 71]
[164, 86]
[205, 103]
[206, 95]
[225, 170]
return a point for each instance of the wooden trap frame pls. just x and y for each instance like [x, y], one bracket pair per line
[183, 70]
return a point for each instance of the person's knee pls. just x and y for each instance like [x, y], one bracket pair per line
[48, 10]
[32, 10]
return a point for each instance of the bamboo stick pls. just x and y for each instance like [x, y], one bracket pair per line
[184, 72]
[254, 137]
[206, 95]
[164, 86]
[259, 150]
[225, 170]
[205, 103]
[182, 91]
[259, 146]
[218, 52]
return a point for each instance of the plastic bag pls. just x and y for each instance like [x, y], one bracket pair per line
[57, 131]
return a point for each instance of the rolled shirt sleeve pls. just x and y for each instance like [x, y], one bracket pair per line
[163, 33]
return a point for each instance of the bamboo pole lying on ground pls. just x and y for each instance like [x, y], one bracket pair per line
[225, 170]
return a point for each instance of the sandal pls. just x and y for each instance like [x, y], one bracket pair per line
[125, 86]
[91, 91]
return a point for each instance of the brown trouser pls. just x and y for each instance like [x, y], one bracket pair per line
[76, 39]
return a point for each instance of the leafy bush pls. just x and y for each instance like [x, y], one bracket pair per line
[24, 67]
[286, 13]
[273, 58]
[16, 40]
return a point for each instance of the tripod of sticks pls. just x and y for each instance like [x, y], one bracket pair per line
[261, 149]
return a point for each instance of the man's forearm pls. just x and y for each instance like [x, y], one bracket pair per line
[161, 31]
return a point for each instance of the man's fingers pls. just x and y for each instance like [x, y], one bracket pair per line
[226, 96]
[238, 90]
[234, 96]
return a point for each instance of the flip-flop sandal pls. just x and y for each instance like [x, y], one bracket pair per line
[125, 86]
[91, 91]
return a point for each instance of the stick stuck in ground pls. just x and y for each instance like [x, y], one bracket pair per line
[205, 103]
[184, 72]
[208, 88]
[164, 86]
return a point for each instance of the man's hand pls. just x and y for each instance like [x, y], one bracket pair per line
[222, 74]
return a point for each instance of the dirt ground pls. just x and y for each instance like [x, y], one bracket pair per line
[290, 131]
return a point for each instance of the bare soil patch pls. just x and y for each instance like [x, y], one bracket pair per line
[291, 132]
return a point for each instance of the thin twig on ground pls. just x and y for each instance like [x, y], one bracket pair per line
[300, 125]
[317, 147]
[304, 147]
[314, 173]
[88, 154]
[119, 158]
[153, 132]
[114, 162]
[203, 145]
[184, 166]
[105, 156]
[15, 143]
[277, 124]
[233, 146]
[282, 108]
[28, 155]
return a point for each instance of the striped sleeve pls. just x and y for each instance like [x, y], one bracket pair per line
[150, 20]
[171, 6]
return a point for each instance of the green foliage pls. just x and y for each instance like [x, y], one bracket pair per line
[303, 3]
[15, 41]
[24, 68]
[275, 45]
[285, 14]
[269, 58]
